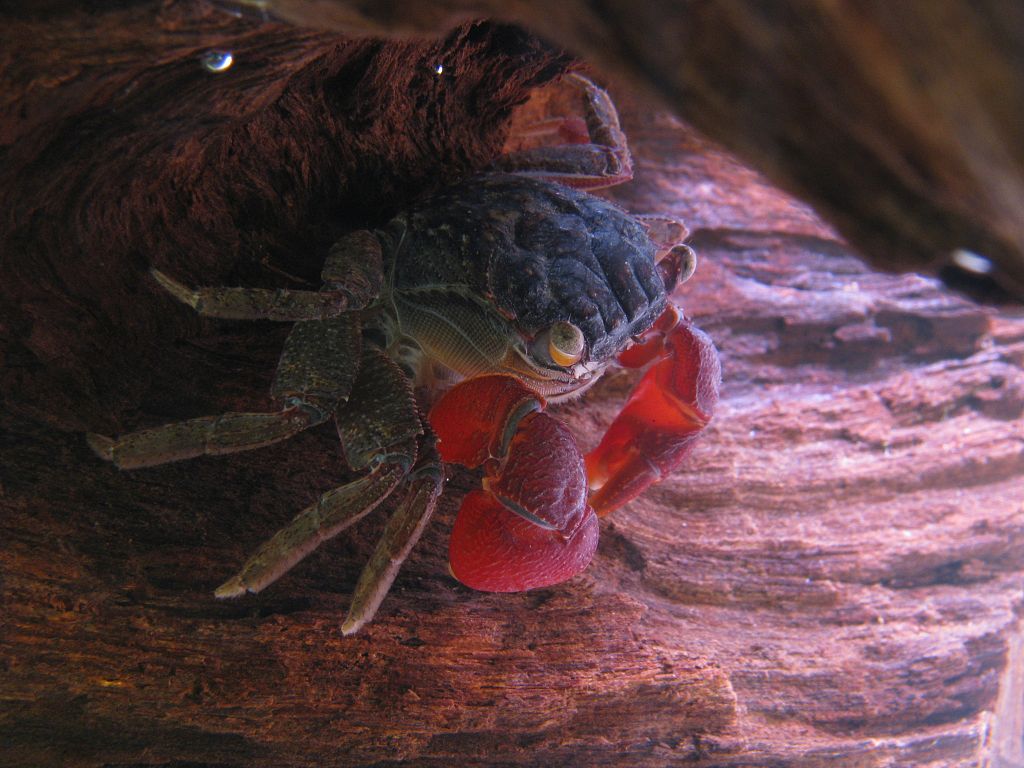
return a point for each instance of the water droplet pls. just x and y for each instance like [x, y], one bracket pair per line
[217, 61]
[971, 261]
[253, 9]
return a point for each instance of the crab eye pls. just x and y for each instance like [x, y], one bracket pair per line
[565, 343]
[677, 266]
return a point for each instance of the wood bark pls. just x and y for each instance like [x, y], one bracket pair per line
[835, 577]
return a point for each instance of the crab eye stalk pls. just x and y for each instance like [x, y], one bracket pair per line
[677, 266]
[565, 343]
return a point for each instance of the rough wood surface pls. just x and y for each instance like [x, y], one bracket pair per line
[835, 578]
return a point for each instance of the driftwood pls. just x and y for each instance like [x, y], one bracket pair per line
[834, 578]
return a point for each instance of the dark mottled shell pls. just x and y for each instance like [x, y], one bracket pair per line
[541, 252]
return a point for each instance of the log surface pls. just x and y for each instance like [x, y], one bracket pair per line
[835, 577]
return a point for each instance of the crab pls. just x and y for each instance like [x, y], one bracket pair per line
[441, 337]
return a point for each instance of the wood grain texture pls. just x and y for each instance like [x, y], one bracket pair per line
[834, 578]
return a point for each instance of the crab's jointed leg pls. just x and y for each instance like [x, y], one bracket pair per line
[403, 530]
[666, 411]
[322, 366]
[207, 435]
[586, 149]
[315, 373]
[331, 514]
[531, 526]
[351, 275]
[379, 430]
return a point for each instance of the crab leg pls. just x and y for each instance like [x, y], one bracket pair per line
[351, 275]
[331, 514]
[403, 530]
[257, 303]
[314, 374]
[531, 525]
[379, 431]
[587, 151]
[207, 435]
[666, 411]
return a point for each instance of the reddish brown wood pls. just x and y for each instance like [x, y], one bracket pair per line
[834, 578]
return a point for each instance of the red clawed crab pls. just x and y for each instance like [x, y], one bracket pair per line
[510, 290]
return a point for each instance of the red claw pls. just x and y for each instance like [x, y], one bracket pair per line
[495, 550]
[670, 406]
[531, 526]
[475, 420]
